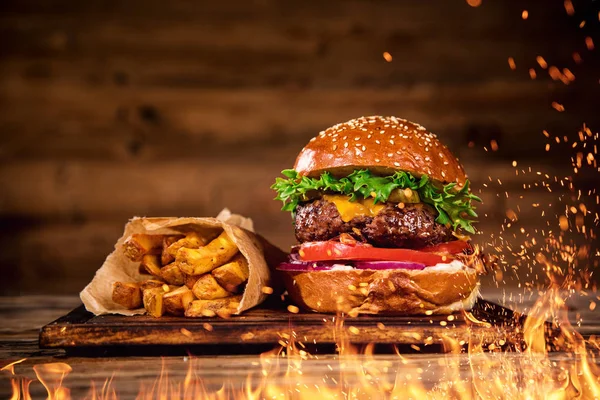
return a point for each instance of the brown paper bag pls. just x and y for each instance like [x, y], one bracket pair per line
[97, 295]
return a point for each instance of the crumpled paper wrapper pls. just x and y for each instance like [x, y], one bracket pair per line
[97, 295]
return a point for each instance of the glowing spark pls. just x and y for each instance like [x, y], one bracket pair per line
[568, 74]
[558, 107]
[353, 330]
[525, 14]
[293, 309]
[563, 222]
[569, 7]
[387, 56]
[185, 332]
[589, 43]
[532, 73]
[511, 63]
[474, 3]
[540, 60]
[267, 290]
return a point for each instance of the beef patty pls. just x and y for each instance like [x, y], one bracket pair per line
[413, 226]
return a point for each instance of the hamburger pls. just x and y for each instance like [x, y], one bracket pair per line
[382, 213]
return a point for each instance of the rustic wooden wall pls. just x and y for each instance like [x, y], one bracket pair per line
[110, 109]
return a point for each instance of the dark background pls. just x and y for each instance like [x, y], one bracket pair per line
[110, 109]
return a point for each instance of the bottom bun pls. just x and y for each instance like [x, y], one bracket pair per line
[441, 289]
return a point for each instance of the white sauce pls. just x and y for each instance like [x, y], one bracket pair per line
[453, 266]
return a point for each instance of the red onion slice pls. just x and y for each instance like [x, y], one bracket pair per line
[304, 266]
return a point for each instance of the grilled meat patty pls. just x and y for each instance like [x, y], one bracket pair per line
[412, 227]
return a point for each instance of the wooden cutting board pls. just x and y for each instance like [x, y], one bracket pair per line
[269, 324]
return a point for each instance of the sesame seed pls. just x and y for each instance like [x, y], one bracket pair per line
[364, 148]
[397, 164]
[334, 147]
[391, 141]
[377, 160]
[357, 138]
[346, 144]
[390, 154]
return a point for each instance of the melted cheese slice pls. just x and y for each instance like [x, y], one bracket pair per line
[351, 209]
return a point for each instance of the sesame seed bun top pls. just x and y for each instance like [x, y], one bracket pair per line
[383, 145]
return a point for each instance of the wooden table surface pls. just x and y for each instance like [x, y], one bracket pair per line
[23, 316]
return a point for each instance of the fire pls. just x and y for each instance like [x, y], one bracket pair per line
[483, 370]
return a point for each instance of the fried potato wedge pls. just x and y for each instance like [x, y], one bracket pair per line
[191, 241]
[210, 308]
[207, 258]
[172, 274]
[153, 301]
[190, 280]
[129, 295]
[151, 264]
[233, 273]
[207, 288]
[139, 244]
[178, 300]
[165, 257]
[151, 284]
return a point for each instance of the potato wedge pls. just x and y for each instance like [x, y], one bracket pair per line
[207, 258]
[190, 280]
[207, 288]
[165, 257]
[233, 273]
[192, 240]
[209, 308]
[172, 275]
[178, 300]
[151, 284]
[129, 295]
[153, 301]
[139, 244]
[151, 264]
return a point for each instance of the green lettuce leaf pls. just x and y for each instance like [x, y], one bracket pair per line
[453, 206]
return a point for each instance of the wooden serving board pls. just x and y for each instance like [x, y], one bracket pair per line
[267, 325]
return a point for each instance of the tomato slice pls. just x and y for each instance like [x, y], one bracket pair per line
[454, 247]
[321, 251]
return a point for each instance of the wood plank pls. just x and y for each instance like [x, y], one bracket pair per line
[268, 324]
[79, 121]
[202, 187]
